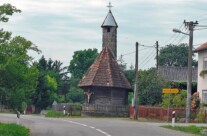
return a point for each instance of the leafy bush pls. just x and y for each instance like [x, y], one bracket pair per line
[176, 100]
[54, 114]
[195, 103]
[13, 130]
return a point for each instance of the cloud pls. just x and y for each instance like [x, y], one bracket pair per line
[60, 27]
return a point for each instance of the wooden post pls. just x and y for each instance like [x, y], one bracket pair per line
[136, 84]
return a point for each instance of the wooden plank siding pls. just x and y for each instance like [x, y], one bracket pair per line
[177, 74]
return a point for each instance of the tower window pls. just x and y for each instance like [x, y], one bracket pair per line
[108, 29]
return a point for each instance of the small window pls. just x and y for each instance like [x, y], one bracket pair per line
[204, 96]
[205, 63]
[108, 29]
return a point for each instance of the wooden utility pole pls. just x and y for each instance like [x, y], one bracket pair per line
[136, 84]
[191, 26]
[157, 50]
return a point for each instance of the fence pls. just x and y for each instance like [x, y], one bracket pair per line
[158, 112]
[71, 109]
[4, 108]
[105, 110]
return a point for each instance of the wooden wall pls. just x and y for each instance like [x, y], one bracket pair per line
[106, 102]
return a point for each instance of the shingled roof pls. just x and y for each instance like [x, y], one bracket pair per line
[105, 72]
[202, 47]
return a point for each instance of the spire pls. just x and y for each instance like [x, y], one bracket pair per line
[109, 20]
[109, 6]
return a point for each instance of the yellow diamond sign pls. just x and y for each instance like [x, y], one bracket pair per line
[170, 90]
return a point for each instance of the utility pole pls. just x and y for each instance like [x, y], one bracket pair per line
[157, 49]
[136, 84]
[190, 26]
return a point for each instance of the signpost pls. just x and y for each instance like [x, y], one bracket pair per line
[169, 91]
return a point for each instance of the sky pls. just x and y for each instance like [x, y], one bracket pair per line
[60, 27]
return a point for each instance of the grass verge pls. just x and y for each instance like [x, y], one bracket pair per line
[188, 129]
[13, 130]
[53, 114]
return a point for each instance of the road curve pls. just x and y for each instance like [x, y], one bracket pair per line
[41, 126]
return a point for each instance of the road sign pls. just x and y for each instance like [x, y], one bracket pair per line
[170, 90]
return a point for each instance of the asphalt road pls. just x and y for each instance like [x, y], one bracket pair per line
[41, 126]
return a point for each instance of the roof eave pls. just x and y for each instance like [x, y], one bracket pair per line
[86, 86]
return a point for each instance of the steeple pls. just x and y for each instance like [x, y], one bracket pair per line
[109, 27]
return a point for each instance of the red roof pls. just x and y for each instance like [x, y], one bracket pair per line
[202, 47]
[105, 72]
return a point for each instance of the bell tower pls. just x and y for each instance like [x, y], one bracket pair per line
[109, 27]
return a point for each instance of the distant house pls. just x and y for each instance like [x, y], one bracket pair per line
[202, 71]
[177, 74]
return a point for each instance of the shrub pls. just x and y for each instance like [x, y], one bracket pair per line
[176, 100]
[54, 114]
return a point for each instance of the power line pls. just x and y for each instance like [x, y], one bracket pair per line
[201, 25]
[202, 20]
[132, 52]
[143, 49]
[149, 46]
[146, 60]
[198, 44]
[182, 28]
[173, 35]
[128, 53]
[200, 28]
[196, 18]
[181, 39]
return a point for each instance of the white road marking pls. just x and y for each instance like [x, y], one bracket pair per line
[92, 127]
[77, 123]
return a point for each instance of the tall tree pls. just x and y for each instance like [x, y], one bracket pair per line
[52, 83]
[78, 66]
[81, 62]
[172, 55]
[18, 79]
[5, 11]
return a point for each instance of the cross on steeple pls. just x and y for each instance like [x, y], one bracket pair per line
[109, 6]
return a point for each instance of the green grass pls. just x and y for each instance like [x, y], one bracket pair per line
[189, 129]
[54, 114]
[13, 130]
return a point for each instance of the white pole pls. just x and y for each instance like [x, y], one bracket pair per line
[173, 119]
[63, 110]
[18, 117]
[168, 109]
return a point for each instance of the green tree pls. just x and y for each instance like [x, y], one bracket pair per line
[78, 66]
[75, 95]
[7, 10]
[176, 100]
[150, 87]
[52, 83]
[172, 55]
[18, 79]
[130, 75]
[81, 62]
